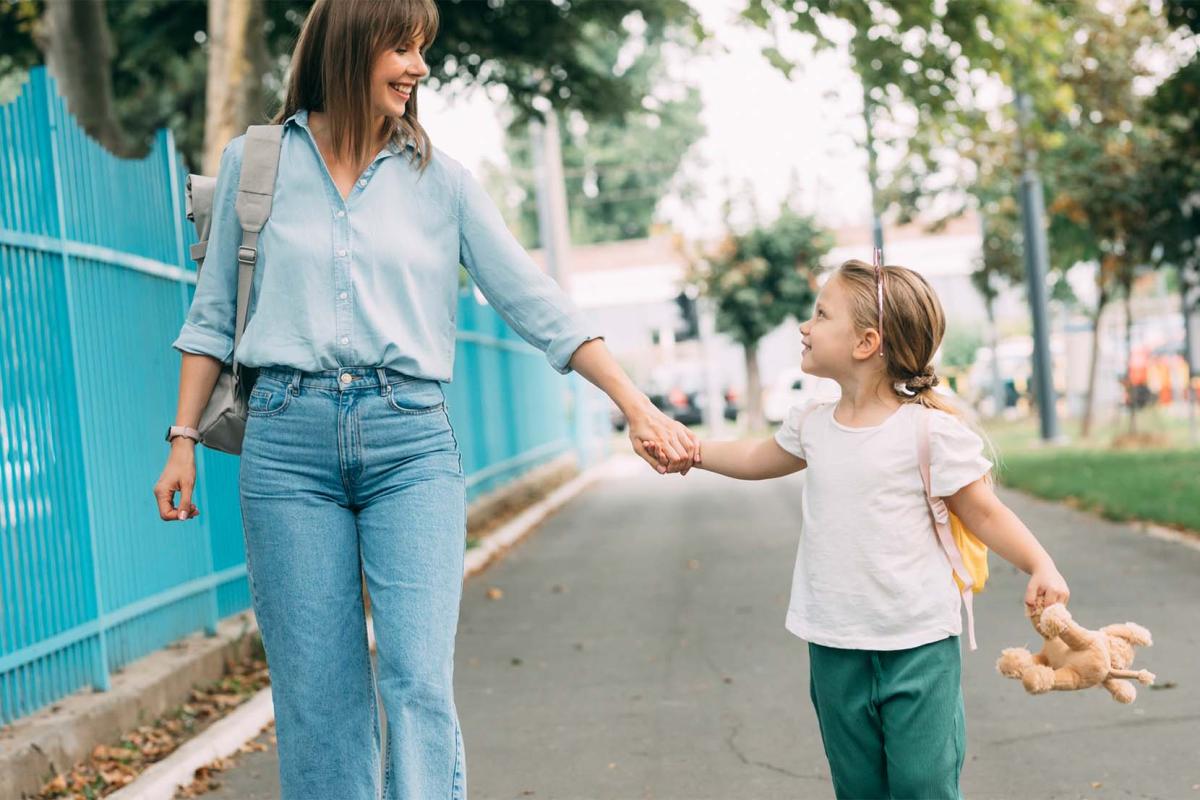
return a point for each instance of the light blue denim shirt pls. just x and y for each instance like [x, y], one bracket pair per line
[371, 280]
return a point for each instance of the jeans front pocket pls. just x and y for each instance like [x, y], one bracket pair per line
[268, 398]
[415, 396]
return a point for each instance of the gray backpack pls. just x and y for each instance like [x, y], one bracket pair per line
[223, 421]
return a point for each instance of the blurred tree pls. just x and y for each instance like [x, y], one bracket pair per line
[532, 48]
[617, 167]
[758, 279]
[237, 63]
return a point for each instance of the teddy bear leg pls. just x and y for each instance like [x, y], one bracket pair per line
[1013, 661]
[1037, 679]
[1122, 690]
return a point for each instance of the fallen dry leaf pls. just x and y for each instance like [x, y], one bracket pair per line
[494, 593]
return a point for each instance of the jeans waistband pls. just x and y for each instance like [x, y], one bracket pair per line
[341, 378]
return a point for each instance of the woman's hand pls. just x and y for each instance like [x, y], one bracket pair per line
[179, 475]
[1046, 586]
[664, 443]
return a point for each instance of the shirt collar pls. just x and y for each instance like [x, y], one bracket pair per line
[391, 148]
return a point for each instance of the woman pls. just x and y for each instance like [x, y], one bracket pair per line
[349, 462]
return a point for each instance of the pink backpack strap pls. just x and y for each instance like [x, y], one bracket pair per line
[941, 523]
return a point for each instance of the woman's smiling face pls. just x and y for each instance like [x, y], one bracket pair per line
[395, 77]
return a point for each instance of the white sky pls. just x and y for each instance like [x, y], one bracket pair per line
[763, 130]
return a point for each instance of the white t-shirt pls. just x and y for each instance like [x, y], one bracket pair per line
[870, 573]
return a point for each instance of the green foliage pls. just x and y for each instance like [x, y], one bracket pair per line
[616, 168]
[533, 48]
[758, 279]
[959, 346]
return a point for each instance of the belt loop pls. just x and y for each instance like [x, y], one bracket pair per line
[296, 381]
[381, 374]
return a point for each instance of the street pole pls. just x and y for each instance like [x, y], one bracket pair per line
[1033, 213]
[872, 172]
[551, 191]
[1189, 293]
[714, 407]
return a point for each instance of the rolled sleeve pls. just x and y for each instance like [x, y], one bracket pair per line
[201, 341]
[525, 297]
[212, 317]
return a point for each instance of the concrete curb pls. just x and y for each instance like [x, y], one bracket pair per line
[1169, 534]
[219, 740]
[225, 737]
[55, 738]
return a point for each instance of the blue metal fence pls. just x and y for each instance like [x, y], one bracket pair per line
[94, 285]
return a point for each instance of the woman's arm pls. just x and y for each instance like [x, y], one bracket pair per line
[1001, 530]
[749, 460]
[197, 377]
[672, 447]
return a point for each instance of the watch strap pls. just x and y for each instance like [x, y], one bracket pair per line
[182, 430]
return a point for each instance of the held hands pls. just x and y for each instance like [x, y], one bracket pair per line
[1046, 587]
[664, 443]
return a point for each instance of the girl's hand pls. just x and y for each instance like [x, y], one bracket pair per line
[179, 475]
[664, 443]
[1046, 586]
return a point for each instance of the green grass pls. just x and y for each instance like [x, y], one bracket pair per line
[1158, 483]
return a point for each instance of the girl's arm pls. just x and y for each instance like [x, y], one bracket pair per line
[1001, 530]
[749, 460]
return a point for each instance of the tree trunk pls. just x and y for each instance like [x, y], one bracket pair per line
[999, 395]
[75, 39]
[237, 59]
[754, 409]
[1089, 400]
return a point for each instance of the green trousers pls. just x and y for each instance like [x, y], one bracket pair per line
[892, 721]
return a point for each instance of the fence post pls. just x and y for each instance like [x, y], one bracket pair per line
[171, 161]
[100, 677]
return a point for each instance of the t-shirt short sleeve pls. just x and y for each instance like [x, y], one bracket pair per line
[788, 435]
[955, 455]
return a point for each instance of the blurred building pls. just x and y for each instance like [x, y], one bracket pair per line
[630, 289]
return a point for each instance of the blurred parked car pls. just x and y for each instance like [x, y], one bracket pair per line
[681, 405]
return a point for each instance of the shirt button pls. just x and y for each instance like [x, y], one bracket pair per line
[341, 213]
[347, 377]
[343, 295]
[362, 182]
[341, 253]
[345, 340]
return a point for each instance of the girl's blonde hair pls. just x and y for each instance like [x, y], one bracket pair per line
[913, 327]
[332, 65]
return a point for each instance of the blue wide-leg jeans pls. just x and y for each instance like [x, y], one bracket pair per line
[349, 472]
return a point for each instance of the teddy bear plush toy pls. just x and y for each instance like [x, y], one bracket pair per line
[1074, 657]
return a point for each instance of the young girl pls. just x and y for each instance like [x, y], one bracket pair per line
[873, 592]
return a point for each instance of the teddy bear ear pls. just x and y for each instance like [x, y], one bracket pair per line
[1130, 632]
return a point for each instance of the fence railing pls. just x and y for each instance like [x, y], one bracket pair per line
[94, 286]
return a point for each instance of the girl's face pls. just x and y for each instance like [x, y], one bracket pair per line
[830, 340]
[394, 77]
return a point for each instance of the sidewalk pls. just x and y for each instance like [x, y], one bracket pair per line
[638, 651]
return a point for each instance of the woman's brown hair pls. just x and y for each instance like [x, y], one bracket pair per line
[332, 64]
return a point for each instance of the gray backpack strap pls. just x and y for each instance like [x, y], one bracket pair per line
[256, 188]
[199, 193]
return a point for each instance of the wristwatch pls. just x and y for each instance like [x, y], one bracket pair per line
[182, 430]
